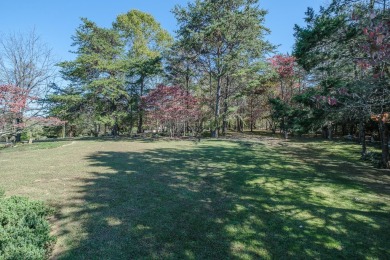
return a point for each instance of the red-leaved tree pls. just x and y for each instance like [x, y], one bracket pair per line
[171, 109]
[284, 65]
[288, 82]
[286, 70]
[13, 102]
[14, 112]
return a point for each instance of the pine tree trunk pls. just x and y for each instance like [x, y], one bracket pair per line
[225, 108]
[217, 112]
[140, 109]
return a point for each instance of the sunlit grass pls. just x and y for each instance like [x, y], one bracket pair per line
[34, 146]
[207, 200]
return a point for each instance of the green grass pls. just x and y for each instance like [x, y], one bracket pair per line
[31, 147]
[213, 200]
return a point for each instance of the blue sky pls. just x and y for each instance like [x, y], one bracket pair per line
[56, 20]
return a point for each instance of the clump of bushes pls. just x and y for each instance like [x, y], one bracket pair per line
[24, 229]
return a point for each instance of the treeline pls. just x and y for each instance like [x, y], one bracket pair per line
[345, 49]
[217, 60]
[220, 73]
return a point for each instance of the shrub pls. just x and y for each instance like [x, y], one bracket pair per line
[206, 134]
[24, 230]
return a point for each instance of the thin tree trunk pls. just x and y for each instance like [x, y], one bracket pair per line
[18, 136]
[186, 122]
[140, 109]
[384, 131]
[131, 121]
[330, 131]
[115, 129]
[225, 107]
[96, 131]
[362, 134]
[251, 114]
[282, 90]
[239, 124]
[284, 128]
[217, 112]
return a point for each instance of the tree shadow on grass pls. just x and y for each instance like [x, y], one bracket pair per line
[342, 166]
[219, 202]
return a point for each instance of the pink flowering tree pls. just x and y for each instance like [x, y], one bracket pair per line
[15, 114]
[13, 102]
[171, 109]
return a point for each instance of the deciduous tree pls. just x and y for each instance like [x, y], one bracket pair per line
[172, 108]
[26, 63]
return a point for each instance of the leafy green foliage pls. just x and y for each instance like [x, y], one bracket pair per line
[24, 230]
[345, 48]
[97, 77]
[110, 72]
[144, 40]
[223, 37]
[143, 35]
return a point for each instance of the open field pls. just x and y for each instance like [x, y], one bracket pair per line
[215, 199]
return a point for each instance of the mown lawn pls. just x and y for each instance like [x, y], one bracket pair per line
[267, 199]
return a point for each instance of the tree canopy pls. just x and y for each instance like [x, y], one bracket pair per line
[129, 77]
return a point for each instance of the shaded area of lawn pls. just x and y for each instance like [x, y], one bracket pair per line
[221, 200]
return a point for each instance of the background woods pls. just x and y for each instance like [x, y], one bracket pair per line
[218, 74]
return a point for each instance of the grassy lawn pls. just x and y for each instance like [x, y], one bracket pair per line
[213, 200]
[36, 146]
